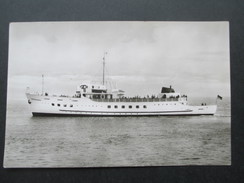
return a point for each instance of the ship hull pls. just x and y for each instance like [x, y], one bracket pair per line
[69, 106]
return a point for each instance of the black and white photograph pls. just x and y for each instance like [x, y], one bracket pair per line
[118, 94]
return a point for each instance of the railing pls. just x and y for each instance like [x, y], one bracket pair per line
[137, 100]
[183, 98]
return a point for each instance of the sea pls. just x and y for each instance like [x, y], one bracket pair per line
[116, 141]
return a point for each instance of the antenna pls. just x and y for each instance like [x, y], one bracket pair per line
[104, 66]
[42, 83]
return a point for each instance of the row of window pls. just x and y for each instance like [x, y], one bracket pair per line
[167, 104]
[65, 105]
[109, 106]
[130, 106]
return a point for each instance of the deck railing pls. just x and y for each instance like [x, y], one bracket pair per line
[122, 99]
[137, 100]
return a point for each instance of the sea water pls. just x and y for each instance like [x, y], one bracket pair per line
[116, 141]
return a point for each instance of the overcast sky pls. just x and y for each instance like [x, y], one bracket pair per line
[142, 57]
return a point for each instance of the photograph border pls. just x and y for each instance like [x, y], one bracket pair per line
[115, 10]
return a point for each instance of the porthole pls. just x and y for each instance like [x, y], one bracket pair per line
[71, 105]
[130, 106]
[137, 106]
[115, 106]
[144, 106]
[59, 105]
[122, 106]
[109, 106]
[65, 105]
[53, 104]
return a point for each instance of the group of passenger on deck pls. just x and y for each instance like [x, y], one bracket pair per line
[136, 97]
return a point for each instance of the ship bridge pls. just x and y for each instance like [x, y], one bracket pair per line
[97, 91]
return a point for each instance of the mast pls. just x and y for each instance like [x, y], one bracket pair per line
[104, 67]
[42, 83]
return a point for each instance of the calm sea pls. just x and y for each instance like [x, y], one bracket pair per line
[116, 141]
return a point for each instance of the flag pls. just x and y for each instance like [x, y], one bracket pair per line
[219, 97]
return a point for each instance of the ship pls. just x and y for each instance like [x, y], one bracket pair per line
[94, 99]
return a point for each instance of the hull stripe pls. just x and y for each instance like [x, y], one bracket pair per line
[102, 115]
[143, 112]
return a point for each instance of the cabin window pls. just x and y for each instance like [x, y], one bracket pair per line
[130, 106]
[137, 106]
[59, 105]
[53, 104]
[122, 106]
[109, 106]
[92, 86]
[116, 106]
[144, 106]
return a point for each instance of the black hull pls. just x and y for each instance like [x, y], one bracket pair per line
[99, 115]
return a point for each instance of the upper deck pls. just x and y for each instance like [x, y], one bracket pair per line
[140, 100]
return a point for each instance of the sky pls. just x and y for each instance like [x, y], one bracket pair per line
[142, 57]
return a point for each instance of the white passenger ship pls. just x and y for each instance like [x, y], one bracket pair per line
[97, 100]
